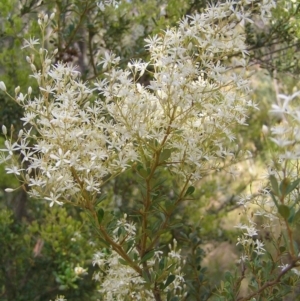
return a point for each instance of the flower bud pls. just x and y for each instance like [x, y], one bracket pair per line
[29, 90]
[4, 129]
[17, 90]
[9, 190]
[2, 86]
[33, 68]
[265, 130]
[20, 133]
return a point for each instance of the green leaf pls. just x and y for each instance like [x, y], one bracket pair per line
[153, 143]
[100, 215]
[162, 264]
[147, 256]
[142, 172]
[297, 216]
[282, 249]
[183, 235]
[283, 186]
[129, 246]
[190, 191]
[176, 225]
[146, 276]
[292, 215]
[165, 155]
[296, 247]
[284, 211]
[274, 185]
[292, 186]
[170, 279]
[274, 198]
[100, 199]
[162, 216]
[123, 262]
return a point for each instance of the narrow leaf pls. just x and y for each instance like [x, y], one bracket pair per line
[165, 155]
[284, 211]
[274, 185]
[297, 216]
[274, 198]
[162, 263]
[146, 276]
[147, 256]
[170, 279]
[100, 215]
[100, 199]
[292, 186]
[142, 172]
[123, 262]
[283, 186]
[190, 191]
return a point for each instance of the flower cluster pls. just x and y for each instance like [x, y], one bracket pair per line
[283, 169]
[276, 205]
[103, 4]
[119, 281]
[184, 120]
[75, 148]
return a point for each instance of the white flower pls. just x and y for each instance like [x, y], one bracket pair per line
[60, 157]
[284, 267]
[259, 250]
[91, 185]
[109, 59]
[79, 271]
[53, 198]
[296, 271]
[102, 4]
[30, 43]
[243, 258]
[13, 170]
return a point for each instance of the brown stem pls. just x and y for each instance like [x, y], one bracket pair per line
[271, 283]
[156, 293]
[116, 247]
[290, 234]
[147, 201]
[91, 52]
[74, 32]
[90, 207]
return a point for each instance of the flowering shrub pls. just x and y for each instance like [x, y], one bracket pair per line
[80, 136]
[277, 206]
